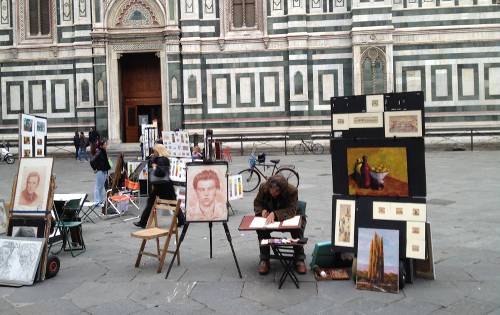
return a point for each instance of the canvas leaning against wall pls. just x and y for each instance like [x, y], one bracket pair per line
[377, 171]
[378, 260]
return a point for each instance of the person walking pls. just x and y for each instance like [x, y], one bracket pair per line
[76, 143]
[83, 148]
[93, 138]
[100, 165]
[161, 184]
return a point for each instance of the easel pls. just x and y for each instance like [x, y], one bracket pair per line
[183, 234]
[47, 218]
[210, 225]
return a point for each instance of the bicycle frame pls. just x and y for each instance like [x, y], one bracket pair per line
[261, 173]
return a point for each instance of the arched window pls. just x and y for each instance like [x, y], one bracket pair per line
[39, 17]
[192, 86]
[298, 83]
[373, 71]
[173, 87]
[243, 13]
[84, 88]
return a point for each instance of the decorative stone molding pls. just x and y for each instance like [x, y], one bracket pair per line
[23, 23]
[134, 14]
[221, 42]
[139, 46]
[230, 30]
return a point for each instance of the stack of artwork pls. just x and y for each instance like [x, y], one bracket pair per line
[235, 187]
[177, 143]
[378, 161]
[19, 259]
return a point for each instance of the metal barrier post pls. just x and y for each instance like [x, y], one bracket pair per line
[285, 143]
[472, 139]
[241, 145]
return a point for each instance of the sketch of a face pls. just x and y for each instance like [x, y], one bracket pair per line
[205, 192]
[32, 182]
[5, 253]
[26, 256]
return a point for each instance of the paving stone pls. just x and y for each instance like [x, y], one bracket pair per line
[313, 305]
[437, 292]
[161, 292]
[355, 306]
[93, 293]
[53, 306]
[268, 294]
[125, 306]
[472, 307]
[408, 306]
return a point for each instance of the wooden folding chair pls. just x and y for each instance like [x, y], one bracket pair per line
[154, 231]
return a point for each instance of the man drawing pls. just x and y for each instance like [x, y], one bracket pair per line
[207, 185]
[29, 197]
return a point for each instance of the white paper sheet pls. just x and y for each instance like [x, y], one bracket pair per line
[292, 222]
[260, 223]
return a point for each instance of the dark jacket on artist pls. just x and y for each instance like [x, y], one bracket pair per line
[284, 207]
[100, 161]
[162, 172]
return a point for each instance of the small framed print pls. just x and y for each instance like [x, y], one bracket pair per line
[415, 249]
[398, 212]
[340, 121]
[366, 120]
[415, 231]
[416, 212]
[345, 216]
[375, 103]
[381, 210]
[403, 124]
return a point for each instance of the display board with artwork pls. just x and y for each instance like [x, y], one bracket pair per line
[149, 134]
[379, 184]
[235, 187]
[177, 143]
[32, 136]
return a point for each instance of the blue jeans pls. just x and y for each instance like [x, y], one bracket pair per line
[99, 193]
[82, 153]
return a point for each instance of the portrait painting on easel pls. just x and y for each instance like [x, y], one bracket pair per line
[206, 192]
[32, 188]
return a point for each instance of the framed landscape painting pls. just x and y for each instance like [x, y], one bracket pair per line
[378, 260]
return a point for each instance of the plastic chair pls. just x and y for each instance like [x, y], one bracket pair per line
[226, 154]
[154, 231]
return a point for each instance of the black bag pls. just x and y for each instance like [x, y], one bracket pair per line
[93, 163]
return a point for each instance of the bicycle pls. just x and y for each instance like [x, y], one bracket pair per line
[308, 145]
[252, 176]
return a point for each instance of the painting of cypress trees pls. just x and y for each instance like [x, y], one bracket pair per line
[378, 260]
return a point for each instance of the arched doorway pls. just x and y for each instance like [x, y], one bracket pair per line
[141, 93]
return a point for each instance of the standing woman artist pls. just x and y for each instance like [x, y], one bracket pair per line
[159, 176]
[100, 165]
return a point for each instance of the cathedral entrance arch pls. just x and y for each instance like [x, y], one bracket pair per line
[133, 33]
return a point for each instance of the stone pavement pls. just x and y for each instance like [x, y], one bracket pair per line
[463, 204]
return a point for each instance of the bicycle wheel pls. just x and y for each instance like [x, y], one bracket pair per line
[291, 176]
[318, 148]
[299, 148]
[251, 179]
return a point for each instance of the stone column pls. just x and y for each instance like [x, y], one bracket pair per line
[114, 119]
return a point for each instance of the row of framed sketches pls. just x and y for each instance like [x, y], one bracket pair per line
[32, 135]
[177, 143]
[400, 101]
[350, 214]
[399, 211]
[396, 123]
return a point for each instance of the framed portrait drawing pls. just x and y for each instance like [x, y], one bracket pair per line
[375, 103]
[32, 188]
[206, 192]
[3, 217]
[340, 121]
[403, 124]
[345, 218]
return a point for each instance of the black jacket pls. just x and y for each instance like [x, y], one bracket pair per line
[93, 136]
[76, 141]
[100, 161]
[162, 172]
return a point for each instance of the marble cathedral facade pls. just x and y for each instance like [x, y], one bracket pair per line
[240, 66]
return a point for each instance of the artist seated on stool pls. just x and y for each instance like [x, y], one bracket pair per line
[277, 201]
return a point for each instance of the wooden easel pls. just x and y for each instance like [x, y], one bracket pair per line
[47, 217]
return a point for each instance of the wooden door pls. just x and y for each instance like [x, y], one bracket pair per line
[141, 88]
